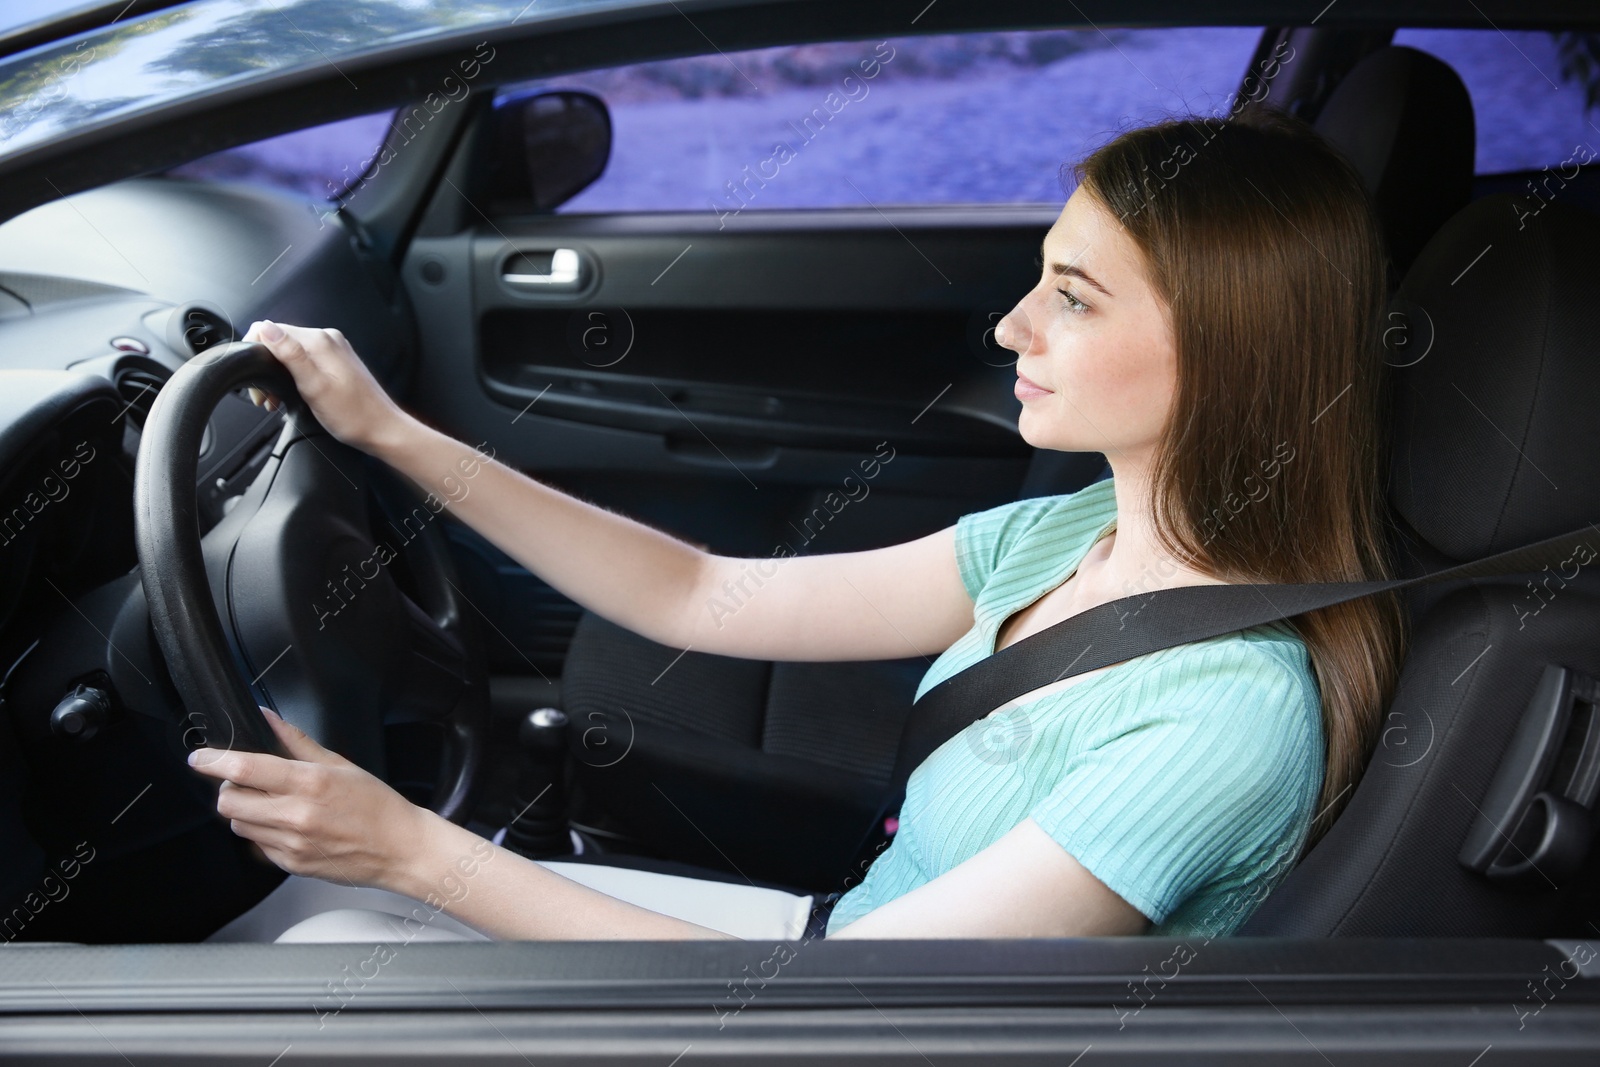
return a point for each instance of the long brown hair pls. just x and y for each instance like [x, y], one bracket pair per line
[1262, 241]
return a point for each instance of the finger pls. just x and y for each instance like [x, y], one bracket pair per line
[256, 834]
[247, 805]
[316, 342]
[271, 819]
[301, 745]
[287, 343]
[264, 399]
[258, 770]
[269, 839]
[310, 339]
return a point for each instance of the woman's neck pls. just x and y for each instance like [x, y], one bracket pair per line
[1129, 559]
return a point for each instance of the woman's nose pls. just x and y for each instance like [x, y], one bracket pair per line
[1013, 331]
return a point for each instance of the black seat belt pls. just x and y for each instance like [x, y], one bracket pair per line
[1148, 622]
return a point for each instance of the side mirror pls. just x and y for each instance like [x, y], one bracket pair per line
[548, 147]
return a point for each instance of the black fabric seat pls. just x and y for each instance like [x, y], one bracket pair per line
[1404, 120]
[774, 769]
[1497, 444]
[769, 769]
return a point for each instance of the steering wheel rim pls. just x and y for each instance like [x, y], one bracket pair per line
[166, 525]
[183, 608]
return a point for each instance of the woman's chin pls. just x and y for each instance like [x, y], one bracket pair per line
[1040, 434]
[1038, 431]
[1028, 433]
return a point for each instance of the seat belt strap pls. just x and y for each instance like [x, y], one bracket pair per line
[1136, 625]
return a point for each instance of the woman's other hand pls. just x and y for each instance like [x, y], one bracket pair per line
[341, 392]
[316, 815]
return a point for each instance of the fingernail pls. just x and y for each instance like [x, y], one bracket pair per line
[269, 713]
[271, 330]
[194, 757]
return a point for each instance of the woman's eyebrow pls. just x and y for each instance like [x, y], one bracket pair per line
[1074, 271]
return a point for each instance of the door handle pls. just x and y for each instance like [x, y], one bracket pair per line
[523, 269]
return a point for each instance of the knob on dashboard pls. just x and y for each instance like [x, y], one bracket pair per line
[81, 713]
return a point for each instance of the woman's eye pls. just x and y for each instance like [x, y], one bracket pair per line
[1074, 305]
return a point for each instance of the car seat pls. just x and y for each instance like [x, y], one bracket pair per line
[1404, 120]
[775, 769]
[1495, 446]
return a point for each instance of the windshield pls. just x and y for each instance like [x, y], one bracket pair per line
[147, 62]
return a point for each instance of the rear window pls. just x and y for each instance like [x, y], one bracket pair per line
[1532, 93]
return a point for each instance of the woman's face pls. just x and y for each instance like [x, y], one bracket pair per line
[1096, 361]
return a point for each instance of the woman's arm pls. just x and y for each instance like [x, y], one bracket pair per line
[1022, 885]
[512, 898]
[887, 603]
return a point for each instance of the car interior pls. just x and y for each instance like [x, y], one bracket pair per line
[766, 359]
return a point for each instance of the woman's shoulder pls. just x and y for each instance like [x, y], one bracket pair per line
[1264, 671]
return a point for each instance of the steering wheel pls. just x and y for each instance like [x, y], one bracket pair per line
[317, 628]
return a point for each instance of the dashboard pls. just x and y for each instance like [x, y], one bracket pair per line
[103, 296]
[124, 284]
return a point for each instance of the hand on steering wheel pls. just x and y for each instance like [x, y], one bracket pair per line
[316, 815]
[331, 378]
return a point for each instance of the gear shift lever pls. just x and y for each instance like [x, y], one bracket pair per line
[539, 827]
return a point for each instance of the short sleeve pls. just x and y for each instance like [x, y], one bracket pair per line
[1197, 788]
[984, 537]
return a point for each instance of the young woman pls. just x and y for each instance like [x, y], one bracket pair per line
[1206, 316]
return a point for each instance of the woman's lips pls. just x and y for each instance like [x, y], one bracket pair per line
[1027, 390]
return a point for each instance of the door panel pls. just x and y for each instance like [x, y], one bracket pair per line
[750, 380]
[819, 379]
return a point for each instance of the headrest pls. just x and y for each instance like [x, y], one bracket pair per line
[1404, 120]
[1496, 399]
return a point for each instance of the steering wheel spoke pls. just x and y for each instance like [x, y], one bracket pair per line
[434, 673]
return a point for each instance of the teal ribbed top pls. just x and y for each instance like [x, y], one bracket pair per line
[1184, 779]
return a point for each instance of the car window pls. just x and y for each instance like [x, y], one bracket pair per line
[322, 161]
[1532, 93]
[969, 118]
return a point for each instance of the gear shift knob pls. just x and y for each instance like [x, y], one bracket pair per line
[538, 826]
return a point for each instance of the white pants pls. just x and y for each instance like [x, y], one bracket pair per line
[302, 910]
